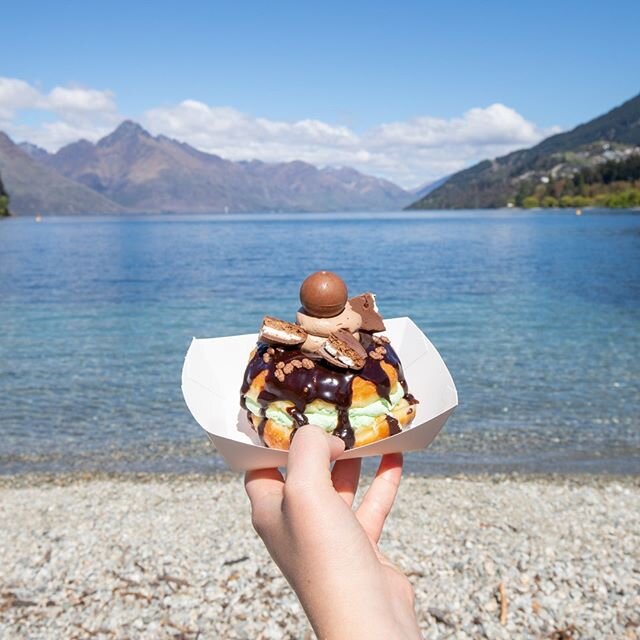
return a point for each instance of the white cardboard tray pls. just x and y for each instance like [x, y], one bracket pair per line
[213, 372]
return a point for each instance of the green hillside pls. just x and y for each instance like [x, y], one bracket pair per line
[4, 201]
[613, 184]
[497, 183]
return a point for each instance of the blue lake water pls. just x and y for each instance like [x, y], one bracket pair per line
[536, 314]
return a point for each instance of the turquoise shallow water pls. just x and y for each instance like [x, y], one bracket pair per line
[536, 314]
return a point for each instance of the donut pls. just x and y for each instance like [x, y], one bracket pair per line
[285, 387]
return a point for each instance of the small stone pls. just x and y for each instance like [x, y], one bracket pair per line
[441, 616]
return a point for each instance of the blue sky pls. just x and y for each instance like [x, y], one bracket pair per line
[362, 75]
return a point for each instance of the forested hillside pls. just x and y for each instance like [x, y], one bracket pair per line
[4, 201]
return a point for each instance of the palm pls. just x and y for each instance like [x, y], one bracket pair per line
[374, 509]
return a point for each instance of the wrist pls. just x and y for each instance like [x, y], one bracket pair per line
[363, 614]
[366, 625]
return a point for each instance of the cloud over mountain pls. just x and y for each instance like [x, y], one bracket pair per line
[407, 152]
[68, 113]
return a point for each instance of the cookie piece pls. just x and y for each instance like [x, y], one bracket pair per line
[343, 350]
[365, 306]
[277, 331]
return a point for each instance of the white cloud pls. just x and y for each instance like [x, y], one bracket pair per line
[14, 95]
[77, 99]
[79, 113]
[495, 124]
[408, 152]
[217, 128]
[426, 147]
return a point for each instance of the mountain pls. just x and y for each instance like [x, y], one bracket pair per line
[428, 187]
[4, 201]
[34, 151]
[146, 173]
[514, 177]
[35, 188]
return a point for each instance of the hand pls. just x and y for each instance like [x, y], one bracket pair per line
[327, 551]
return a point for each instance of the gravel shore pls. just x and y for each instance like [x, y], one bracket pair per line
[176, 557]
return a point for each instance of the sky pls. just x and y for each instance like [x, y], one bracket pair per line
[409, 91]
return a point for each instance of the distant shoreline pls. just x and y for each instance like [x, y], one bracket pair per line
[240, 215]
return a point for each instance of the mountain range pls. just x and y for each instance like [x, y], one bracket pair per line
[132, 171]
[512, 178]
[35, 188]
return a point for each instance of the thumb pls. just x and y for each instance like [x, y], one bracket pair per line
[311, 452]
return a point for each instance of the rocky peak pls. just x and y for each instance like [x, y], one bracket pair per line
[33, 150]
[125, 132]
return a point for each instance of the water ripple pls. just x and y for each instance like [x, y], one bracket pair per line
[537, 316]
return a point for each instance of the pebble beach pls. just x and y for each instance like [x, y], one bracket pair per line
[176, 557]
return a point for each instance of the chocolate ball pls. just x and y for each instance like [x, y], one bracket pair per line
[323, 294]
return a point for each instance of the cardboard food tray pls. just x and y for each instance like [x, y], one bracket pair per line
[213, 372]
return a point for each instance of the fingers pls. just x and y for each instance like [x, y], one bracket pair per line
[261, 483]
[345, 476]
[310, 454]
[264, 488]
[378, 500]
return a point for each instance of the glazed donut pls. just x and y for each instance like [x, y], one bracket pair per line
[284, 388]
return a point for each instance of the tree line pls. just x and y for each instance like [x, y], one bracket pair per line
[611, 184]
[4, 201]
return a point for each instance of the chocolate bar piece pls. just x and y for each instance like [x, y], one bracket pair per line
[365, 306]
[281, 332]
[343, 350]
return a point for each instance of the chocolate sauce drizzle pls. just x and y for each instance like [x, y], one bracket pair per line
[410, 398]
[298, 417]
[344, 429]
[394, 425]
[323, 381]
[261, 426]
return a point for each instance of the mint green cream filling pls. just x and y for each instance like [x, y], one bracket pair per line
[328, 418]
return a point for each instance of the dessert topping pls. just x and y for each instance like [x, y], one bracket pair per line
[365, 306]
[278, 331]
[343, 350]
[346, 319]
[323, 294]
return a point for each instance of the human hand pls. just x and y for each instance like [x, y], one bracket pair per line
[327, 551]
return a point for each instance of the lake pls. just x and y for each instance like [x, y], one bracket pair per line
[537, 315]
